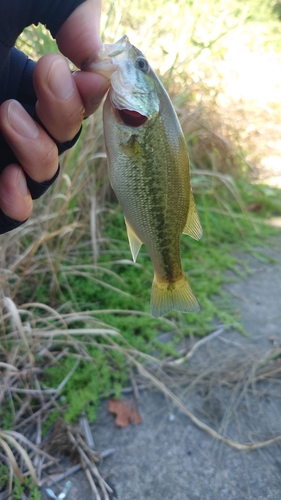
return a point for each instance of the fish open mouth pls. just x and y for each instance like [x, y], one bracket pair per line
[132, 118]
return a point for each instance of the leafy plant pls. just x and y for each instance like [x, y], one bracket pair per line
[28, 488]
[19, 488]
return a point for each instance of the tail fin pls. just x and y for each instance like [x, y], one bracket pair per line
[168, 296]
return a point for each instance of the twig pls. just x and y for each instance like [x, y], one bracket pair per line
[107, 452]
[94, 224]
[102, 484]
[4, 458]
[240, 297]
[66, 379]
[38, 461]
[56, 478]
[6, 384]
[209, 337]
[9, 304]
[37, 392]
[265, 375]
[134, 385]
[128, 390]
[8, 366]
[84, 424]
[91, 482]
[199, 423]
[21, 438]
[231, 342]
[92, 453]
[38, 412]
[92, 467]
[52, 401]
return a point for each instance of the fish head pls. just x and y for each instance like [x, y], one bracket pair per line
[133, 90]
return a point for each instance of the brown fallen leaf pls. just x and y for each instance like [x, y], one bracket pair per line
[125, 411]
[256, 206]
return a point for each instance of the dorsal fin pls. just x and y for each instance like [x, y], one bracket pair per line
[193, 225]
[134, 241]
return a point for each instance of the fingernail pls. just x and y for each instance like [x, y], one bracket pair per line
[21, 122]
[21, 184]
[60, 80]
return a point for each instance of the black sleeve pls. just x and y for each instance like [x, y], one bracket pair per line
[15, 68]
[15, 15]
[16, 72]
[19, 86]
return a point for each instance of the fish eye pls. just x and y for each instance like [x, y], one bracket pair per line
[142, 64]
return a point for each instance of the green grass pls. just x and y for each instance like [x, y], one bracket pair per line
[205, 262]
[99, 376]
[28, 488]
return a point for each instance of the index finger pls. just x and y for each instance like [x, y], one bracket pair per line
[79, 36]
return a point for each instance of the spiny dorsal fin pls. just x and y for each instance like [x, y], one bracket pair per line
[134, 241]
[193, 225]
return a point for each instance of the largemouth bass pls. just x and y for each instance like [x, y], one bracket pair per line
[149, 170]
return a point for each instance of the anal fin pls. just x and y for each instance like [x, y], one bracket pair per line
[134, 241]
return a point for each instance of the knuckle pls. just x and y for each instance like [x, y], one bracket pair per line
[74, 120]
[50, 153]
[17, 207]
[63, 119]
[26, 210]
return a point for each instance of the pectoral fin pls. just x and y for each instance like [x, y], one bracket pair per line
[134, 241]
[193, 225]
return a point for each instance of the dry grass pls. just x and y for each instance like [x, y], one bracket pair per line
[38, 329]
[28, 331]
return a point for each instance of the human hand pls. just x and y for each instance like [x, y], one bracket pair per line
[64, 100]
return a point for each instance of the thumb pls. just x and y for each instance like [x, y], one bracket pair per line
[79, 36]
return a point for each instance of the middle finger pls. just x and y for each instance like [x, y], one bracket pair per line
[59, 106]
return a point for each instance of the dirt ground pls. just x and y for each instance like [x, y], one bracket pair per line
[167, 457]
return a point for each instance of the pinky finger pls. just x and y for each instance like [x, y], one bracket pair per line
[15, 198]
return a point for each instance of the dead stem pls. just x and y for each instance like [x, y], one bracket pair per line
[199, 423]
[165, 390]
[89, 465]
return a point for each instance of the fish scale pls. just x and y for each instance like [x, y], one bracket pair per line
[149, 170]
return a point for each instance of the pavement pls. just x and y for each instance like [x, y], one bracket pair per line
[167, 457]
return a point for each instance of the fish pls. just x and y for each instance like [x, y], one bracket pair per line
[149, 170]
